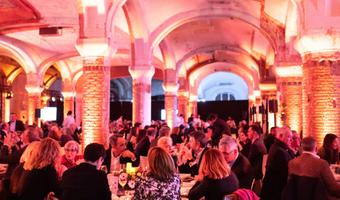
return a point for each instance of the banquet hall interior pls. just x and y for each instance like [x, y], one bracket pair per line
[271, 62]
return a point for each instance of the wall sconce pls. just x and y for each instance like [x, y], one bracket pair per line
[9, 94]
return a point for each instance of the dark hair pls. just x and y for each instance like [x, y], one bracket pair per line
[151, 131]
[114, 138]
[69, 112]
[328, 140]
[331, 155]
[256, 128]
[93, 152]
[308, 144]
[211, 117]
[199, 137]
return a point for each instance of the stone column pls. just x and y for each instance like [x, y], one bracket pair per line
[291, 100]
[321, 95]
[79, 108]
[141, 94]
[95, 101]
[33, 101]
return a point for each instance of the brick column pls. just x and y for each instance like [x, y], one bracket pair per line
[33, 102]
[170, 103]
[291, 100]
[95, 104]
[193, 105]
[141, 94]
[182, 104]
[321, 95]
[79, 108]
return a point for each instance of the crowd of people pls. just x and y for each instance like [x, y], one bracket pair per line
[223, 158]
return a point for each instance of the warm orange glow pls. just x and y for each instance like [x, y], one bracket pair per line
[268, 87]
[318, 43]
[257, 93]
[7, 109]
[68, 94]
[33, 90]
[289, 71]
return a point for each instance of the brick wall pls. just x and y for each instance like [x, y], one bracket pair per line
[291, 102]
[321, 95]
[95, 102]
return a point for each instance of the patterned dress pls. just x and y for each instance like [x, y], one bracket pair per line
[150, 188]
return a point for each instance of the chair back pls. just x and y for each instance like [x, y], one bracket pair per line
[304, 188]
[245, 194]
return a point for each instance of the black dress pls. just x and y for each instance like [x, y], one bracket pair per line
[214, 189]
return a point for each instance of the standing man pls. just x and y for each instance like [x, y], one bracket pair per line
[69, 120]
[86, 181]
[15, 125]
[276, 175]
[256, 152]
[219, 127]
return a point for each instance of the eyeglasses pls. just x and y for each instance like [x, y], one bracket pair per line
[74, 150]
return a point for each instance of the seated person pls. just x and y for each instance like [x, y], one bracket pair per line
[215, 179]
[239, 164]
[117, 154]
[166, 143]
[71, 157]
[161, 181]
[309, 165]
[189, 162]
[86, 181]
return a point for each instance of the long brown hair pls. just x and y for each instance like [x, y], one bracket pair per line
[48, 154]
[214, 165]
[161, 165]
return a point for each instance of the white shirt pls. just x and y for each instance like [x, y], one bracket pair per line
[115, 163]
[12, 126]
[68, 121]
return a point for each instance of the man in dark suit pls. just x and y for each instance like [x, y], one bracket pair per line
[310, 165]
[276, 175]
[239, 164]
[118, 154]
[86, 181]
[16, 125]
[143, 146]
[219, 127]
[256, 152]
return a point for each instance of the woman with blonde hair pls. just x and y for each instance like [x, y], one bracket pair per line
[42, 177]
[18, 175]
[71, 157]
[215, 179]
[161, 181]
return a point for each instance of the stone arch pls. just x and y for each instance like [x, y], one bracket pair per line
[60, 65]
[208, 69]
[177, 20]
[18, 54]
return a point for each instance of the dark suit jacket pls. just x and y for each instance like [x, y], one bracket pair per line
[19, 125]
[276, 171]
[143, 147]
[39, 182]
[85, 182]
[255, 157]
[311, 166]
[122, 160]
[214, 189]
[218, 127]
[244, 171]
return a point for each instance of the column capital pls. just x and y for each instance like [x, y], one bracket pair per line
[289, 71]
[324, 41]
[170, 88]
[142, 74]
[68, 94]
[33, 90]
[92, 47]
